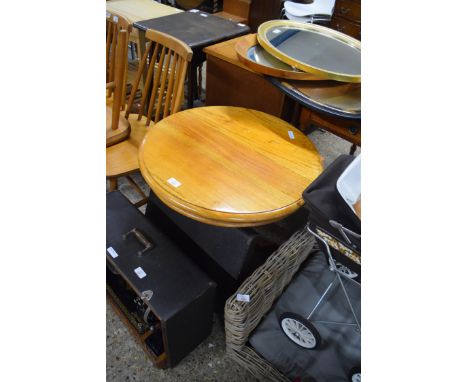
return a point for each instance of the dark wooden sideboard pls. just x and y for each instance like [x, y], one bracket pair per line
[263, 10]
[346, 17]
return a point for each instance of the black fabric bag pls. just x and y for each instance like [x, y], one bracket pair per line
[341, 348]
[325, 204]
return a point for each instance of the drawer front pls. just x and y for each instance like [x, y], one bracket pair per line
[347, 27]
[348, 9]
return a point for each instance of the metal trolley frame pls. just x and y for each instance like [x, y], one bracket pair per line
[340, 246]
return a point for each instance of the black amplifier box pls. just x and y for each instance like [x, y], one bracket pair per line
[163, 297]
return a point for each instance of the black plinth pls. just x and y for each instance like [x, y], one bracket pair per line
[227, 255]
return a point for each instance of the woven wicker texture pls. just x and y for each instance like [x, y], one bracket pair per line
[264, 286]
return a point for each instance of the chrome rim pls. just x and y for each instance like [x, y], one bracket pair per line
[356, 377]
[298, 333]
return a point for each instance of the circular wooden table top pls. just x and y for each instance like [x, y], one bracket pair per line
[228, 166]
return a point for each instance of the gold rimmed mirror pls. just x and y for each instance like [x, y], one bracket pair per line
[312, 48]
[252, 55]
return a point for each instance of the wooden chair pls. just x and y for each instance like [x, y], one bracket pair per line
[117, 30]
[162, 95]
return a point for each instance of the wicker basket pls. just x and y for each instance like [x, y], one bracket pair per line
[264, 286]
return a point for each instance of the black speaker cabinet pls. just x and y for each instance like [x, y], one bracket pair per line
[162, 296]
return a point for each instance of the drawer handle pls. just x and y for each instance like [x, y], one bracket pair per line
[344, 10]
[141, 238]
[339, 28]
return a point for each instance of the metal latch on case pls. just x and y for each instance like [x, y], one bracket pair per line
[141, 238]
[146, 296]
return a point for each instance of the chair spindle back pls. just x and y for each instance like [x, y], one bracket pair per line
[163, 90]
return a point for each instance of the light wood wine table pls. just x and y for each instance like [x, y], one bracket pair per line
[138, 10]
[228, 166]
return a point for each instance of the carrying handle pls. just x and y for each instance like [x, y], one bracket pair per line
[141, 238]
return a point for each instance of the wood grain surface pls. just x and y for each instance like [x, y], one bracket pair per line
[117, 128]
[226, 51]
[228, 166]
[163, 88]
[137, 10]
[164, 78]
[122, 158]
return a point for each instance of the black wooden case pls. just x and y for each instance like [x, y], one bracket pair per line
[162, 296]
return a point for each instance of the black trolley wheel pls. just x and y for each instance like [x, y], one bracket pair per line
[300, 330]
[354, 374]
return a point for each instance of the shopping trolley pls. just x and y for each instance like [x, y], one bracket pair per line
[333, 221]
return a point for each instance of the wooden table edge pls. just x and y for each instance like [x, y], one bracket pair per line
[218, 218]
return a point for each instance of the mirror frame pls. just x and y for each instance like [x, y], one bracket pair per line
[325, 74]
[249, 41]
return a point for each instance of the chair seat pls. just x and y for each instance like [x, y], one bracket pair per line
[122, 158]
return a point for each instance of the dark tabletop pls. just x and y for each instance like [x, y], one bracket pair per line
[196, 29]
